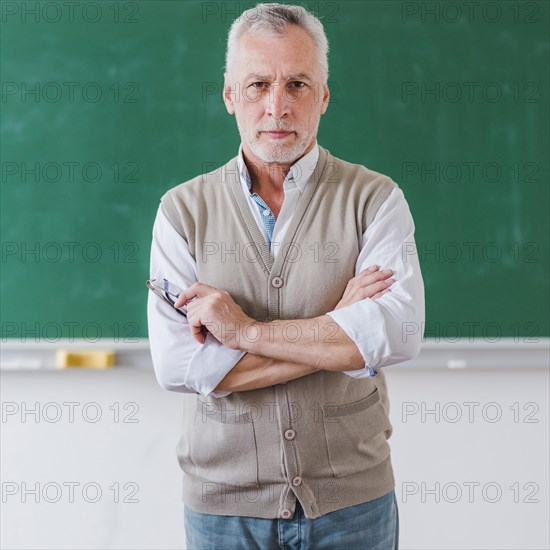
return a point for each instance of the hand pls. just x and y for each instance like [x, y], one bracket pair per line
[369, 283]
[210, 309]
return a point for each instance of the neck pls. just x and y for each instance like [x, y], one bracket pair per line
[268, 178]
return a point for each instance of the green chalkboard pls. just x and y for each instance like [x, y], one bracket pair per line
[106, 105]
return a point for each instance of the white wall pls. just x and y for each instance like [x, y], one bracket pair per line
[501, 453]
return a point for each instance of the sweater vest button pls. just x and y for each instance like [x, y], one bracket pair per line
[277, 282]
[290, 434]
[297, 481]
[286, 514]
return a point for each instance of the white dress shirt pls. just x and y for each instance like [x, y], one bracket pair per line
[376, 326]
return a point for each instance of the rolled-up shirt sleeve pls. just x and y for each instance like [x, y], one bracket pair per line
[387, 330]
[180, 362]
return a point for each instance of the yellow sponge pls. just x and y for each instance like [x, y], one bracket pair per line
[95, 359]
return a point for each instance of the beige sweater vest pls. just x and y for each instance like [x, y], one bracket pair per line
[321, 438]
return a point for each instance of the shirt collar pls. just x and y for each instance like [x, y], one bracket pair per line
[299, 172]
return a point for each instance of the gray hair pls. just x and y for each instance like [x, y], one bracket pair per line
[275, 18]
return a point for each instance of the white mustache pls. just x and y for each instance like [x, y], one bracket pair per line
[278, 130]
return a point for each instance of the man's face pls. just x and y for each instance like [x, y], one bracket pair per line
[276, 84]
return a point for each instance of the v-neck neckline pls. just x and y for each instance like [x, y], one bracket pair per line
[301, 207]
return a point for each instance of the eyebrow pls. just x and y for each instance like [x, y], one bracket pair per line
[297, 76]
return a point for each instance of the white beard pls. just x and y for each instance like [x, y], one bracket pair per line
[277, 152]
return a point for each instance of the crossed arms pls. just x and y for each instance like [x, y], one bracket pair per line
[271, 358]
[366, 329]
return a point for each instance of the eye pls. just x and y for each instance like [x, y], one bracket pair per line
[297, 84]
[257, 87]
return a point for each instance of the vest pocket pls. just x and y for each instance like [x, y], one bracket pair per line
[356, 434]
[223, 446]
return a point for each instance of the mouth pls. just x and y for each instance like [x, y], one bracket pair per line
[278, 134]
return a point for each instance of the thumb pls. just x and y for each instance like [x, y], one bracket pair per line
[196, 290]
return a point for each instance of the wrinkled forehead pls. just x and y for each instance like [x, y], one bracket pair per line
[268, 55]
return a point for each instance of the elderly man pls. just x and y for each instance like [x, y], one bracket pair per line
[290, 316]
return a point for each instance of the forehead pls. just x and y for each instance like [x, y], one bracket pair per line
[264, 53]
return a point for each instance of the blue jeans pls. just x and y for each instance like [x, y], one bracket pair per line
[373, 525]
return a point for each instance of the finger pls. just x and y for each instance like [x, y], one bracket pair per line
[185, 296]
[369, 278]
[196, 290]
[195, 324]
[370, 269]
[196, 332]
[380, 275]
[370, 290]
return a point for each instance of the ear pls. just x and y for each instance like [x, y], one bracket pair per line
[228, 95]
[326, 99]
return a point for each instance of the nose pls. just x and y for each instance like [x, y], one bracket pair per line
[277, 102]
